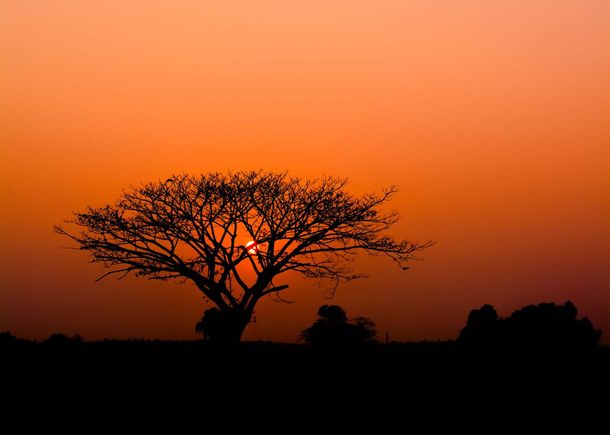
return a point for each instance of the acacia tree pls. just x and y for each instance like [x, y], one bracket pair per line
[233, 235]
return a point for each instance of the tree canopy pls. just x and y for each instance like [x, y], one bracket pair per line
[234, 234]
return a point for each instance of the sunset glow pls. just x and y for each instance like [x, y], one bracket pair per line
[491, 117]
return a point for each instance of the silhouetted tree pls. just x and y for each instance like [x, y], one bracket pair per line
[482, 328]
[364, 329]
[333, 329]
[332, 313]
[545, 325]
[233, 235]
[550, 325]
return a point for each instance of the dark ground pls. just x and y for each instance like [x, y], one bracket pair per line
[394, 363]
[268, 382]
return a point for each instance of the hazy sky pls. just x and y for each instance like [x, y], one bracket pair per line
[492, 117]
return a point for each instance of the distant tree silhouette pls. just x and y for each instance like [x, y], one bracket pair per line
[365, 329]
[332, 313]
[482, 328]
[233, 235]
[333, 329]
[546, 325]
[550, 325]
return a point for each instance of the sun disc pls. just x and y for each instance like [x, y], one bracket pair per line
[252, 247]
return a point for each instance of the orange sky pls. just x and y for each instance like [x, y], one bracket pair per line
[492, 117]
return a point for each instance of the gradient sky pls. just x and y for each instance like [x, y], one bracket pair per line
[492, 117]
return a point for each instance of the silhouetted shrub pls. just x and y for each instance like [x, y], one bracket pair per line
[546, 325]
[334, 329]
[364, 329]
[221, 326]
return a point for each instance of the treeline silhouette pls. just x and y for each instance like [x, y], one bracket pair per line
[336, 357]
[546, 326]
[321, 375]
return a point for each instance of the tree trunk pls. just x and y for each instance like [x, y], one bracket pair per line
[235, 327]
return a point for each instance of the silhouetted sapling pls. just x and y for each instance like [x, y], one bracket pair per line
[232, 235]
[545, 325]
[333, 329]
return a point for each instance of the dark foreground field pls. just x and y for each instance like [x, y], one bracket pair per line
[270, 382]
[432, 363]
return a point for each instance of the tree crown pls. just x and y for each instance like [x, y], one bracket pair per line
[197, 228]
